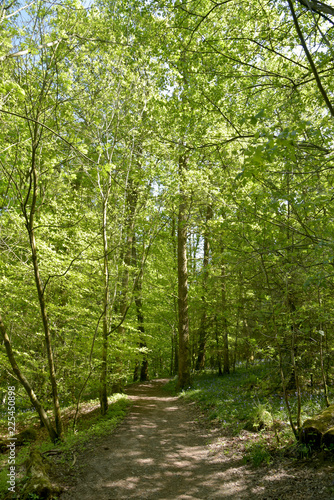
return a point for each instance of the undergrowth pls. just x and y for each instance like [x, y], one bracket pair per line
[90, 425]
[231, 401]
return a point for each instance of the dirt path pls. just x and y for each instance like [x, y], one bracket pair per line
[159, 452]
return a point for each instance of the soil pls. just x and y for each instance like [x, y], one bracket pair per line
[161, 451]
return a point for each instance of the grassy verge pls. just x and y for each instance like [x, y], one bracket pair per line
[234, 400]
[90, 425]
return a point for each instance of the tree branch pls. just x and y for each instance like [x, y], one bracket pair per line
[310, 59]
[318, 7]
[50, 130]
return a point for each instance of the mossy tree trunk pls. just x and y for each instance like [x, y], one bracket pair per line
[26, 384]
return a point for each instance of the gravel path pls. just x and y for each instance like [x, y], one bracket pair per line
[159, 452]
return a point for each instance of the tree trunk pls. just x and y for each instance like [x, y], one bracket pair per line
[29, 218]
[200, 362]
[322, 334]
[129, 225]
[323, 371]
[104, 366]
[144, 368]
[184, 366]
[140, 315]
[175, 347]
[219, 362]
[226, 359]
[32, 396]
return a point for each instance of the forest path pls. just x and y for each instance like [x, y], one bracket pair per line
[159, 452]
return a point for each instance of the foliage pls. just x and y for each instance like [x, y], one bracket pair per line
[257, 454]
[223, 403]
[90, 425]
[98, 104]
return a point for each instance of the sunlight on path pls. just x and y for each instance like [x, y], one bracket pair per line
[160, 453]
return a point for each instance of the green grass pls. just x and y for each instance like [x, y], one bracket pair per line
[21, 457]
[171, 386]
[232, 400]
[90, 425]
[98, 425]
[257, 453]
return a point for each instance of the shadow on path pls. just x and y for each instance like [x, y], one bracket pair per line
[160, 453]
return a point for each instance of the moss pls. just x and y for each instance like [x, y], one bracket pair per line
[315, 429]
[38, 483]
[26, 436]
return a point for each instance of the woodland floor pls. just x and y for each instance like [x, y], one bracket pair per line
[161, 451]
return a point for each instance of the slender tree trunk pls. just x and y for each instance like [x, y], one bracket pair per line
[292, 306]
[140, 315]
[295, 371]
[175, 347]
[174, 352]
[200, 362]
[226, 358]
[105, 194]
[144, 368]
[130, 206]
[184, 358]
[136, 371]
[219, 361]
[284, 385]
[104, 366]
[29, 218]
[32, 396]
[286, 398]
[234, 361]
[323, 372]
[52, 371]
[131, 203]
[322, 335]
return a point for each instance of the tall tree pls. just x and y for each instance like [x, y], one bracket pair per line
[182, 270]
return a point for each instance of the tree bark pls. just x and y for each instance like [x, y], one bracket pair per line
[175, 347]
[318, 7]
[309, 57]
[184, 358]
[129, 225]
[200, 362]
[32, 396]
[104, 366]
[226, 358]
[131, 203]
[29, 218]
[140, 315]
[219, 361]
